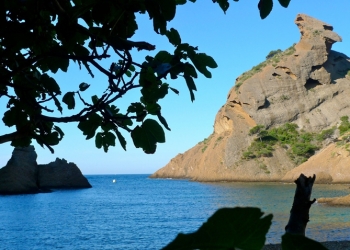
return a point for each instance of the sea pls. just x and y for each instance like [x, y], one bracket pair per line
[136, 212]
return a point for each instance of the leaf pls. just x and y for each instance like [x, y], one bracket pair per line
[147, 76]
[83, 86]
[128, 73]
[136, 107]
[9, 118]
[265, 7]
[299, 242]
[57, 103]
[206, 60]
[59, 130]
[152, 127]
[163, 56]
[174, 90]
[191, 86]
[90, 125]
[227, 228]
[147, 135]
[163, 90]
[168, 9]
[190, 70]
[15, 116]
[174, 37]
[132, 68]
[201, 61]
[162, 69]
[109, 138]
[153, 108]
[141, 141]
[68, 99]
[94, 99]
[224, 4]
[50, 84]
[98, 140]
[284, 3]
[163, 121]
[51, 139]
[121, 139]
[180, 2]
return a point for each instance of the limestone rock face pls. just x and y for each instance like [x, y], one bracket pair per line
[20, 173]
[336, 201]
[331, 165]
[61, 174]
[307, 85]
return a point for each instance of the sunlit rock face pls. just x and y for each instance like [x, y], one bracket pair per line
[307, 85]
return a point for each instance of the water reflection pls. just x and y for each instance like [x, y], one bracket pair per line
[326, 222]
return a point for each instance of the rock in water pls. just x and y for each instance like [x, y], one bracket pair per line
[22, 174]
[307, 85]
[61, 174]
[19, 176]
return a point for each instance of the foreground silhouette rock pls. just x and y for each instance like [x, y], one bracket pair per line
[22, 174]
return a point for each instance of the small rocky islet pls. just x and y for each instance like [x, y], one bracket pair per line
[305, 88]
[22, 174]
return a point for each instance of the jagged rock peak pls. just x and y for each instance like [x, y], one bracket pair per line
[314, 32]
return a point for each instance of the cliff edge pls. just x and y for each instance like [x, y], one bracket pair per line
[306, 84]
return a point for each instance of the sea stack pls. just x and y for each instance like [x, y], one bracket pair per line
[22, 174]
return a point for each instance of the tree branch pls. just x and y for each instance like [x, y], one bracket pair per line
[11, 136]
[299, 214]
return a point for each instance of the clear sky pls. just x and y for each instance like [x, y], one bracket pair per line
[237, 41]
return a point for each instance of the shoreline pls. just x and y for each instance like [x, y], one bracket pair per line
[331, 245]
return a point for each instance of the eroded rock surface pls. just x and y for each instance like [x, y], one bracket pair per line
[307, 86]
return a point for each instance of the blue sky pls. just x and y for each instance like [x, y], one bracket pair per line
[237, 41]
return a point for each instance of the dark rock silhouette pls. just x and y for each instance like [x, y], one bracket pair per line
[19, 176]
[22, 174]
[61, 174]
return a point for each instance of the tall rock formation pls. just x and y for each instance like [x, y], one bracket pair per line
[19, 176]
[22, 174]
[306, 85]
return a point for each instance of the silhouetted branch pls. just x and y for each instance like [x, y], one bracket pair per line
[299, 214]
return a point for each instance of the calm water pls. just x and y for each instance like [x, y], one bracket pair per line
[141, 213]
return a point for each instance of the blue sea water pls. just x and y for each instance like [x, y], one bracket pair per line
[136, 212]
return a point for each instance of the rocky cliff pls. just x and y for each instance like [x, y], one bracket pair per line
[307, 85]
[22, 174]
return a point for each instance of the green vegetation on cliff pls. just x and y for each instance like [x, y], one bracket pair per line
[300, 145]
[273, 58]
[344, 125]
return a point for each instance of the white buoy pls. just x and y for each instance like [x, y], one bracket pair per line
[113, 180]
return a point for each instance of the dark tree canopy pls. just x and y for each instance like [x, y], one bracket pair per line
[38, 38]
